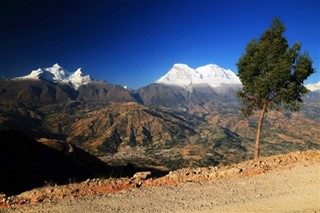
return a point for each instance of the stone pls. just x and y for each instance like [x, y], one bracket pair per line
[142, 175]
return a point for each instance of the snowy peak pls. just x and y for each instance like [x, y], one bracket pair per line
[313, 87]
[214, 75]
[77, 78]
[180, 75]
[57, 74]
[211, 74]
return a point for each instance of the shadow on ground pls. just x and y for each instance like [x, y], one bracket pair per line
[28, 164]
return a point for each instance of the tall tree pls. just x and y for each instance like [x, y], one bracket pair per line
[272, 74]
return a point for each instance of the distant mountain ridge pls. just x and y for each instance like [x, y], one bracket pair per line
[179, 75]
[211, 74]
[36, 92]
[55, 85]
[313, 87]
[194, 90]
[182, 88]
[57, 74]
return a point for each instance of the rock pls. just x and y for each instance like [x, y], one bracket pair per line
[49, 190]
[138, 185]
[142, 175]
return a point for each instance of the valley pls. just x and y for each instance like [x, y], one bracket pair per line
[128, 132]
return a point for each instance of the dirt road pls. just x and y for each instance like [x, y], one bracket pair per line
[295, 189]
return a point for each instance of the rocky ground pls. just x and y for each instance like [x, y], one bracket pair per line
[282, 183]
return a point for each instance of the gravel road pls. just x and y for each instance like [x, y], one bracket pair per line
[294, 189]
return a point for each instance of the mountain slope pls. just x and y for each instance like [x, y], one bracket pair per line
[117, 126]
[40, 92]
[129, 133]
[35, 92]
[122, 133]
[30, 164]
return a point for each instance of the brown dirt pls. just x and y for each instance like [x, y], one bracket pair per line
[282, 183]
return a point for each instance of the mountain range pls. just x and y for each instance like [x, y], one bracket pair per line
[189, 117]
[57, 74]
[179, 75]
[211, 75]
[56, 85]
[181, 88]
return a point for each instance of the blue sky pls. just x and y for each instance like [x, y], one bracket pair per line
[135, 42]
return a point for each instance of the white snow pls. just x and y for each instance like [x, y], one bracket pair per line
[57, 74]
[313, 87]
[77, 78]
[180, 74]
[211, 74]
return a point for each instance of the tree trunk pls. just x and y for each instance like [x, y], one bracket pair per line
[258, 135]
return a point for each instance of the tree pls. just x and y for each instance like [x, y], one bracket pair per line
[272, 74]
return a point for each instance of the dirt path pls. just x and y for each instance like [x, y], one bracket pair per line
[295, 189]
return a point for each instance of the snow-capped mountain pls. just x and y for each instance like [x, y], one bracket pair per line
[211, 74]
[205, 88]
[57, 74]
[313, 87]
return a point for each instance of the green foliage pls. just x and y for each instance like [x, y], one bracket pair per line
[272, 73]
